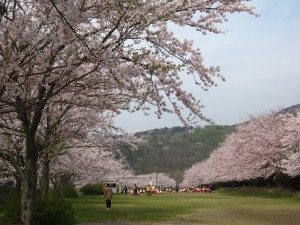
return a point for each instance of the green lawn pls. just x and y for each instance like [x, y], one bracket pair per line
[217, 208]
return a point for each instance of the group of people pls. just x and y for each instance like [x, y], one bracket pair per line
[107, 191]
[133, 191]
[140, 191]
[204, 189]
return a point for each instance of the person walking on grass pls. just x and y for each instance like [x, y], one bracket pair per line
[107, 196]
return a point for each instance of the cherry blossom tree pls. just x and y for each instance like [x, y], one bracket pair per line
[254, 151]
[90, 155]
[58, 132]
[261, 145]
[86, 152]
[12, 145]
[6, 173]
[291, 144]
[89, 166]
[192, 176]
[97, 54]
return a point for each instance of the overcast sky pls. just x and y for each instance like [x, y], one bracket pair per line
[260, 59]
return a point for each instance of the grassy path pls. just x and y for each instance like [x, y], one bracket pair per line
[214, 208]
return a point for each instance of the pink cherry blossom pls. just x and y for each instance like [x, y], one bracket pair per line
[104, 55]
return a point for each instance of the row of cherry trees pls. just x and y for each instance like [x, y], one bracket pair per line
[81, 148]
[65, 63]
[264, 147]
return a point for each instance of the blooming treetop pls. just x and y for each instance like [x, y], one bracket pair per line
[89, 147]
[263, 147]
[291, 144]
[92, 166]
[100, 53]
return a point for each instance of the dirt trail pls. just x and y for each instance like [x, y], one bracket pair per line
[132, 223]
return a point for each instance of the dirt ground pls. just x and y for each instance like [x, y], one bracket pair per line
[132, 223]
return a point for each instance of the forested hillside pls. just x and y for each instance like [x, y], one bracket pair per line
[172, 150]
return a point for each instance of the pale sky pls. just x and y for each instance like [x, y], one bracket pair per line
[258, 56]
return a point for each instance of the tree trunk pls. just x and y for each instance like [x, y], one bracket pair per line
[18, 184]
[45, 177]
[29, 182]
[30, 118]
[28, 193]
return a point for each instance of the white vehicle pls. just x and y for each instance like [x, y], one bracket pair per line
[115, 186]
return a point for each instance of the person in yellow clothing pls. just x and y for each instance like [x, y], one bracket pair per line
[148, 190]
[107, 196]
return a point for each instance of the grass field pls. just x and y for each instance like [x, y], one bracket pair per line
[217, 208]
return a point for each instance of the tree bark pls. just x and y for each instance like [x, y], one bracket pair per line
[28, 193]
[29, 181]
[30, 121]
[45, 176]
[18, 184]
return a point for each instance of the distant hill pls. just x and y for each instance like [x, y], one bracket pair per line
[172, 150]
[292, 109]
